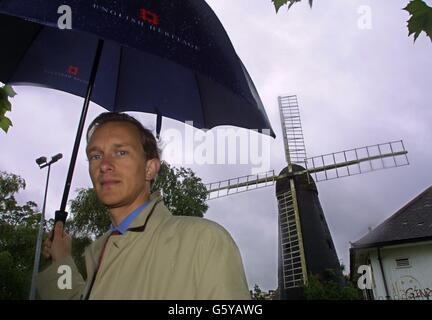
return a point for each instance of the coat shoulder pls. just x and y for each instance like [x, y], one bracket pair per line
[186, 226]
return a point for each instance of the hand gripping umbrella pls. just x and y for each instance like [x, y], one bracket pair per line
[171, 58]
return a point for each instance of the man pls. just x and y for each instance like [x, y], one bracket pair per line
[148, 253]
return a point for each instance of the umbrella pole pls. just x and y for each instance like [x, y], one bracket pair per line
[61, 215]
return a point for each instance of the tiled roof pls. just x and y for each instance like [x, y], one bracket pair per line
[412, 222]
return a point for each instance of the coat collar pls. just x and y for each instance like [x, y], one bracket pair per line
[142, 219]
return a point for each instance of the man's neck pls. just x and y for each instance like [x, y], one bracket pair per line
[119, 214]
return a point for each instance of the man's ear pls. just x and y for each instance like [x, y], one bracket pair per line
[153, 166]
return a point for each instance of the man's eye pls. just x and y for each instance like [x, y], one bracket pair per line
[121, 153]
[94, 157]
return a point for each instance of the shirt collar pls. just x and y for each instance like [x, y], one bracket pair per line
[129, 219]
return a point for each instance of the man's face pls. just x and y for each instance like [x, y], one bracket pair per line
[117, 165]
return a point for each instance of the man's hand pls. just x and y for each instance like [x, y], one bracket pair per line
[60, 247]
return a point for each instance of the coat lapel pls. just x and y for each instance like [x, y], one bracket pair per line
[91, 255]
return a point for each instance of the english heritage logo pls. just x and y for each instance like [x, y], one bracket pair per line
[147, 19]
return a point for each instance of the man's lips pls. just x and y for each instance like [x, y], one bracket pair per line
[109, 183]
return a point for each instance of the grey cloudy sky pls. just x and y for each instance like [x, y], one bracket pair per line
[355, 86]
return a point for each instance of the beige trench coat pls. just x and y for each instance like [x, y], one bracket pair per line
[172, 258]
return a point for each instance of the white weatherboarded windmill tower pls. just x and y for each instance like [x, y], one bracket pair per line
[305, 245]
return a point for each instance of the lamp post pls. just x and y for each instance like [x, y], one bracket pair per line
[42, 163]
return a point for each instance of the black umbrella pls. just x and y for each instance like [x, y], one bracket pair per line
[171, 58]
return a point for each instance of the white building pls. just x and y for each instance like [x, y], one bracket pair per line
[399, 253]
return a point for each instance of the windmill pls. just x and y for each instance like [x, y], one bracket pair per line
[305, 245]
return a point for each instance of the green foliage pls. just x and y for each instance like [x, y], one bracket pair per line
[420, 20]
[10, 212]
[279, 3]
[10, 184]
[18, 229]
[90, 218]
[18, 232]
[17, 247]
[183, 192]
[327, 287]
[257, 294]
[6, 92]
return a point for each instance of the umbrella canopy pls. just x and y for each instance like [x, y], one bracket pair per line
[171, 58]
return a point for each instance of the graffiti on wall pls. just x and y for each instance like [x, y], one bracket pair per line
[408, 287]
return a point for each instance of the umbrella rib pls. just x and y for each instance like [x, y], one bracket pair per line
[118, 77]
[201, 100]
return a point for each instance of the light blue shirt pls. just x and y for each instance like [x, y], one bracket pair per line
[129, 219]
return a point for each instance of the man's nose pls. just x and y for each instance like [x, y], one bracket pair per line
[107, 163]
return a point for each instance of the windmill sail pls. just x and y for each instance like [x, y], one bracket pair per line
[325, 167]
[232, 186]
[292, 264]
[357, 161]
[292, 132]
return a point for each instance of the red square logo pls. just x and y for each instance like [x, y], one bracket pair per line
[73, 70]
[148, 16]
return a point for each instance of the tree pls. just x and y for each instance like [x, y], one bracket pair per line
[18, 229]
[6, 92]
[183, 192]
[327, 286]
[90, 217]
[10, 212]
[257, 294]
[420, 19]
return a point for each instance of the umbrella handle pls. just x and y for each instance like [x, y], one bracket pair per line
[60, 215]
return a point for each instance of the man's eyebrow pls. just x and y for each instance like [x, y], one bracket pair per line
[121, 145]
[116, 145]
[91, 149]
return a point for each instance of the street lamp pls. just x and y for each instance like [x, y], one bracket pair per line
[42, 163]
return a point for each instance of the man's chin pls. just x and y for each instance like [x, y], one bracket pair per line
[110, 203]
